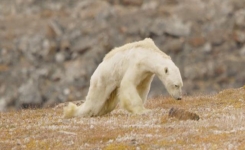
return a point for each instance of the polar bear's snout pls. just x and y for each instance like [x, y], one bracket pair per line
[177, 97]
[176, 93]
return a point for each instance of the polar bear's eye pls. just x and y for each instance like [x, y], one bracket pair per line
[176, 86]
[166, 70]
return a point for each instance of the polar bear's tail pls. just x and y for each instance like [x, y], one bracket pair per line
[70, 110]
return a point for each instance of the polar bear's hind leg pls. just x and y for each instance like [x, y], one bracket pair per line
[70, 110]
[95, 101]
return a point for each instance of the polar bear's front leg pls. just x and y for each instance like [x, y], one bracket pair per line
[129, 96]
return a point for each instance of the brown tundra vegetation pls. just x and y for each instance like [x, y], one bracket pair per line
[221, 126]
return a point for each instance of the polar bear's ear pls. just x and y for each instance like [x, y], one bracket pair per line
[166, 70]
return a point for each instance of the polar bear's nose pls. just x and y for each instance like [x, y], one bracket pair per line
[179, 98]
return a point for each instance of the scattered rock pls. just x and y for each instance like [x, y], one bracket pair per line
[4, 68]
[132, 2]
[207, 47]
[158, 26]
[242, 51]
[83, 45]
[65, 45]
[239, 36]
[54, 29]
[149, 5]
[172, 26]
[240, 18]
[174, 45]
[29, 94]
[175, 27]
[60, 57]
[197, 41]
[74, 70]
[182, 114]
[217, 37]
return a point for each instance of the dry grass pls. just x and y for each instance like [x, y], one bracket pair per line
[221, 126]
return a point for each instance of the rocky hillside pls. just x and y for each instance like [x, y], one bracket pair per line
[49, 49]
[221, 126]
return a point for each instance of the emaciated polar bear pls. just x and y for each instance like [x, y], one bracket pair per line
[124, 77]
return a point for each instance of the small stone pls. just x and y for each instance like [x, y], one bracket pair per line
[242, 51]
[60, 57]
[65, 44]
[83, 44]
[239, 36]
[151, 5]
[29, 93]
[158, 27]
[132, 2]
[67, 91]
[133, 141]
[54, 29]
[217, 37]
[240, 18]
[182, 114]
[207, 47]
[3, 68]
[197, 41]
[174, 45]
[176, 27]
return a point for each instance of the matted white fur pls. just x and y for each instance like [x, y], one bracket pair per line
[124, 76]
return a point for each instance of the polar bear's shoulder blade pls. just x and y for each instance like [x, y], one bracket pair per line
[147, 43]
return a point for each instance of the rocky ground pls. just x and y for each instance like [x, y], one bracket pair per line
[220, 126]
[49, 49]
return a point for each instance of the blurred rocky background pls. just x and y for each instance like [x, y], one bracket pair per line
[49, 49]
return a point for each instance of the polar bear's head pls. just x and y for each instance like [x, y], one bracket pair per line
[171, 78]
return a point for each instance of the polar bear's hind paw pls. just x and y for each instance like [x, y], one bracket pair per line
[70, 110]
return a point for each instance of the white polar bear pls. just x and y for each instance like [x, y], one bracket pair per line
[125, 76]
